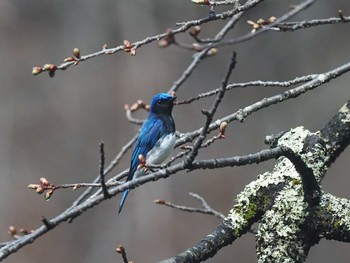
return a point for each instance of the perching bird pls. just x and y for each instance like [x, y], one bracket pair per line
[156, 139]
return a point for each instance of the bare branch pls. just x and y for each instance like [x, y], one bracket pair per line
[293, 26]
[205, 210]
[297, 9]
[210, 114]
[122, 252]
[255, 83]
[110, 167]
[101, 168]
[340, 140]
[134, 46]
[202, 54]
[241, 114]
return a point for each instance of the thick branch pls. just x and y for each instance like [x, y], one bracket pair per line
[284, 231]
[332, 218]
[337, 142]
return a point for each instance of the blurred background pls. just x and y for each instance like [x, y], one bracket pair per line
[51, 127]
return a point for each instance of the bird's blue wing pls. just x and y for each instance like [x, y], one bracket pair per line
[150, 133]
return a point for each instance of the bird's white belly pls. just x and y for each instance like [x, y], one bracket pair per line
[161, 150]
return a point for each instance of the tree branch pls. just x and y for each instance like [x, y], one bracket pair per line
[183, 27]
[266, 102]
[339, 141]
[210, 114]
[280, 206]
[205, 210]
[292, 26]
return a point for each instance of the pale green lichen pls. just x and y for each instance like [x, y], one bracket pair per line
[316, 159]
[339, 208]
[294, 139]
[344, 109]
[279, 228]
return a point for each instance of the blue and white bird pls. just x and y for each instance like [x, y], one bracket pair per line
[156, 139]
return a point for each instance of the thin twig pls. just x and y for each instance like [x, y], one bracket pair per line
[254, 83]
[121, 250]
[198, 57]
[205, 210]
[133, 120]
[241, 114]
[76, 186]
[209, 114]
[302, 6]
[101, 169]
[206, 206]
[212, 42]
[183, 27]
[293, 26]
[109, 168]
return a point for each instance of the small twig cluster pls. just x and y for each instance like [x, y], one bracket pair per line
[235, 14]
[44, 186]
[221, 135]
[76, 57]
[261, 23]
[197, 47]
[48, 188]
[51, 68]
[140, 104]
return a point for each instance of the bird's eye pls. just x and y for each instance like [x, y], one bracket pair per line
[159, 101]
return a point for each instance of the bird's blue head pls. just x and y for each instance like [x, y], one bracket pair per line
[162, 103]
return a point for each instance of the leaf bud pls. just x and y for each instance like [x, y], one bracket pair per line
[36, 70]
[48, 194]
[40, 190]
[195, 31]
[44, 181]
[76, 53]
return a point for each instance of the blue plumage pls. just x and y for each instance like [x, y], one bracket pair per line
[156, 139]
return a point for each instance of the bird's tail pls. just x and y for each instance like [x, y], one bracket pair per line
[125, 194]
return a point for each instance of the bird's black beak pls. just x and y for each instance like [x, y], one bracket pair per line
[173, 99]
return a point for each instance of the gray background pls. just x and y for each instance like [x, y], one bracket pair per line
[51, 127]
